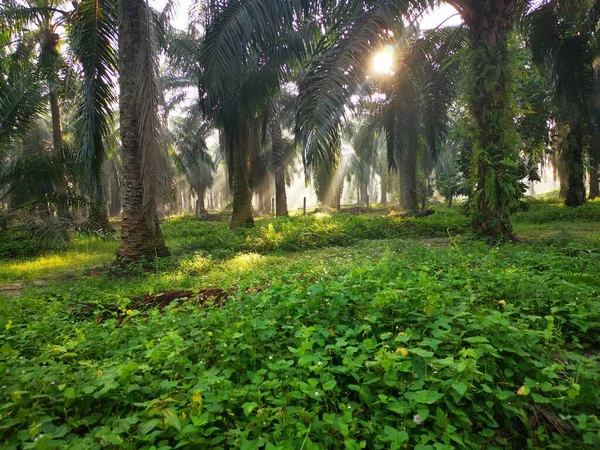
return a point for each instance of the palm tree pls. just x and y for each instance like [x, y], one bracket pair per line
[191, 155]
[594, 170]
[91, 30]
[38, 23]
[564, 52]
[238, 81]
[146, 174]
[278, 158]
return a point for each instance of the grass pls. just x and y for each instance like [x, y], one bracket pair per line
[343, 332]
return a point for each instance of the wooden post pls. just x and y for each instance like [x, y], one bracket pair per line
[273, 205]
[304, 207]
[367, 201]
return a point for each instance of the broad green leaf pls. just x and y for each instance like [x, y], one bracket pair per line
[329, 385]
[248, 407]
[424, 396]
[396, 436]
[171, 418]
[460, 387]
[69, 392]
[147, 427]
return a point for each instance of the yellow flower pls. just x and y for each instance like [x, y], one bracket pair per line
[402, 351]
[502, 303]
[197, 397]
[523, 390]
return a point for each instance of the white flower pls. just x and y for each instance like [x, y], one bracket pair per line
[52, 383]
[316, 394]
[349, 406]
[319, 363]
[271, 357]
[417, 419]
[224, 345]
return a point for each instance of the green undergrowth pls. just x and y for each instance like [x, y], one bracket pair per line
[306, 232]
[187, 234]
[390, 343]
[552, 210]
[212, 238]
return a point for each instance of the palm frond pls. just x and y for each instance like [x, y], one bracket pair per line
[156, 172]
[92, 33]
[338, 74]
[21, 103]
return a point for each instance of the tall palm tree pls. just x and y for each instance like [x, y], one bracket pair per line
[90, 34]
[594, 170]
[92, 37]
[38, 22]
[191, 154]
[146, 174]
[237, 81]
[278, 158]
[565, 53]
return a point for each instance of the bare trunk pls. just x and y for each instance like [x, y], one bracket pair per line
[278, 167]
[242, 194]
[384, 186]
[200, 205]
[408, 180]
[141, 236]
[115, 194]
[57, 135]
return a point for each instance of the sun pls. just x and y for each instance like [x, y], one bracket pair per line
[383, 60]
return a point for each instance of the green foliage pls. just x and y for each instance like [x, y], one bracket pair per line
[390, 343]
[305, 232]
[544, 212]
[17, 245]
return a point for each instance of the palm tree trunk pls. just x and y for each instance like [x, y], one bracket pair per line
[242, 194]
[200, 205]
[408, 179]
[98, 217]
[497, 185]
[57, 134]
[114, 188]
[141, 236]
[384, 186]
[57, 140]
[281, 209]
[573, 160]
[594, 167]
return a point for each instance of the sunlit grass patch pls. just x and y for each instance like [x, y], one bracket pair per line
[245, 262]
[82, 254]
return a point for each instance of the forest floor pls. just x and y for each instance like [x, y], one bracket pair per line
[323, 331]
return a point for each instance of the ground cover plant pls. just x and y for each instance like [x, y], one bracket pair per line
[369, 332]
